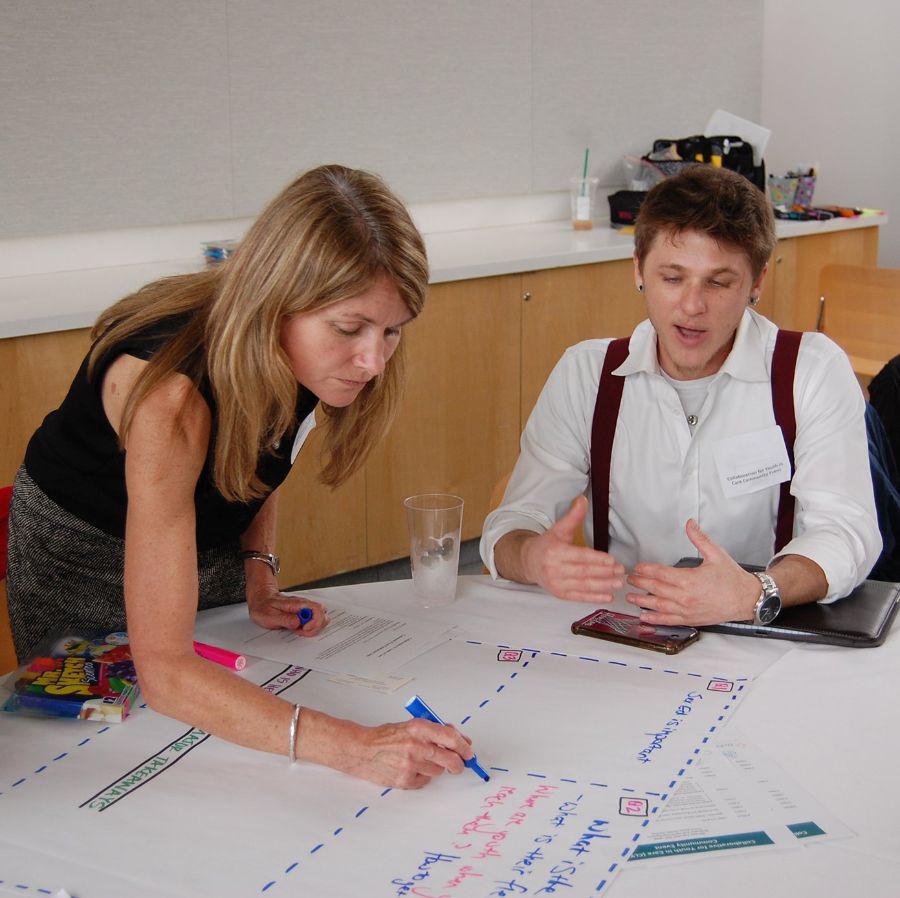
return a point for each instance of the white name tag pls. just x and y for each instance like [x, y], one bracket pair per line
[752, 461]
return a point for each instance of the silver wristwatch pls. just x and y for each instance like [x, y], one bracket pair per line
[268, 558]
[768, 605]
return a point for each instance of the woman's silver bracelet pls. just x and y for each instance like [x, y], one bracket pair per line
[295, 720]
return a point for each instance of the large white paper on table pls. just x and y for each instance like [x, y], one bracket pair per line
[503, 614]
[583, 751]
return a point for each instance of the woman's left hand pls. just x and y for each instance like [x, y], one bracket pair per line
[274, 610]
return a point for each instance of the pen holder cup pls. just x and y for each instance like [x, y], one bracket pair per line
[782, 191]
[806, 186]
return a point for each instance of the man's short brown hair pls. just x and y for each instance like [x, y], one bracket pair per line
[713, 201]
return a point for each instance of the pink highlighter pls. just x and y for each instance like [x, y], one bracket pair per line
[232, 660]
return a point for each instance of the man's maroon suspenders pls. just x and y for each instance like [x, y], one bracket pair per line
[606, 417]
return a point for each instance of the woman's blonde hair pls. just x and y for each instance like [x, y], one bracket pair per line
[328, 236]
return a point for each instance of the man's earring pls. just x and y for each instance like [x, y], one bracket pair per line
[640, 288]
[753, 300]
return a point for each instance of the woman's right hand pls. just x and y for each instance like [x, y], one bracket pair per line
[400, 755]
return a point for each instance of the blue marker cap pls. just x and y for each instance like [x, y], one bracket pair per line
[305, 615]
[418, 708]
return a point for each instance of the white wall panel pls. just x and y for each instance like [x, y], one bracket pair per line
[840, 112]
[113, 114]
[136, 113]
[434, 96]
[613, 76]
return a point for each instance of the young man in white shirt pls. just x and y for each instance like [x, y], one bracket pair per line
[697, 458]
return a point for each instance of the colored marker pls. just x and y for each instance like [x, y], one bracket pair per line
[418, 708]
[305, 615]
[220, 656]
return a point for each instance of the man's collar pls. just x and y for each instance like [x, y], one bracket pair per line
[746, 361]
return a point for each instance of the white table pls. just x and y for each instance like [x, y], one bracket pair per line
[829, 716]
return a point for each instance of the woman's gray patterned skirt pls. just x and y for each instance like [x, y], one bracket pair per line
[65, 576]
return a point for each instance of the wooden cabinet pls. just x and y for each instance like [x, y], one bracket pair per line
[477, 359]
[321, 531]
[563, 306]
[798, 262]
[458, 430]
[36, 373]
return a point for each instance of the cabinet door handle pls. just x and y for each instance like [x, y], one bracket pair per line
[526, 296]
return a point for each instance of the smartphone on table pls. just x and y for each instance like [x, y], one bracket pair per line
[631, 630]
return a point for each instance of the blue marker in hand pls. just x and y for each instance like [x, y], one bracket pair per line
[305, 615]
[418, 708]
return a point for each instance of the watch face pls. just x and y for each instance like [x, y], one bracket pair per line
[768, 609]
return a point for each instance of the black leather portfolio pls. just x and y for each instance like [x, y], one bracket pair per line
[862, 619]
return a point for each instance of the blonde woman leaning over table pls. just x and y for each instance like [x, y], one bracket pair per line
[151, 491]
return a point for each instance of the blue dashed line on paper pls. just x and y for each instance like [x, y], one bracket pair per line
[465, 719]
[585, 658]
[314, 850]
[484, 703]
[292, 867]
[362, 811]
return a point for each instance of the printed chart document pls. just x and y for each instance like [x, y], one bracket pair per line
[359, 641]
[736, 798]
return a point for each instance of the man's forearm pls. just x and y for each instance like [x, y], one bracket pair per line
[508, 555]
[800, 579]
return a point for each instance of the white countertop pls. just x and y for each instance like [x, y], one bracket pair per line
[36, 301]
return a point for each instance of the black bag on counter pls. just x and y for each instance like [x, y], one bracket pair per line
[728, 151]
[624, 206]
